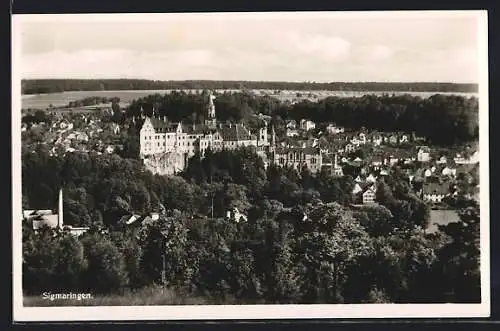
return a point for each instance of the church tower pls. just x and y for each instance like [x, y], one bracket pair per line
[211, 121]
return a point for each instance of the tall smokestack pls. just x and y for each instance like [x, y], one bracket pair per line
[60, 222]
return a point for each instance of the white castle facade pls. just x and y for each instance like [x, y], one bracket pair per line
[165, 147]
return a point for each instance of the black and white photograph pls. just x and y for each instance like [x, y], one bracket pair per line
[250, 165]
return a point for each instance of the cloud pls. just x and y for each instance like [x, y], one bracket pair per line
[116, 63]
[381, 52]
[329, 48]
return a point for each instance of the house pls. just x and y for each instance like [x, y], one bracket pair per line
[362, 138]
[384, 172]
[364, 192]
[332, 167]
[435, 192]
[334, 129]
[355, 141]
[448, 171]
[81, 136]
[377, 139]
[307, 125]
[369, 195]
[423, 154]
[403, 139]
[377, 162]
[236, 216]
[359, 179]
[110, 149]
[349, 148]
[291, 132]
[115, 128]
[393, 139]
[393, 160]
[371, 178]
[459, 159]
[291, 124]
[442, 160]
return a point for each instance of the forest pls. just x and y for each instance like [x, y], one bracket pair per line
[302, 243]
[38, 86]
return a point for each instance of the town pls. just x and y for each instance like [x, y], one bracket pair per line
[258, 162]
[235, 159]
[367, 156]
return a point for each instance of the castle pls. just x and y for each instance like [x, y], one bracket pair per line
[165, 147]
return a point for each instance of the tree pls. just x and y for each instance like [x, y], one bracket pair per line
[329, 239]
[378, 220]
[51, 262]
[459, 258]
[106, 270]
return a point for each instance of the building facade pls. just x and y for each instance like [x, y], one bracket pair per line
[298, 157]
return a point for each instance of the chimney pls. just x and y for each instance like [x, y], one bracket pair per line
[60, 222]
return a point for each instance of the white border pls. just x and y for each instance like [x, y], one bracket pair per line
[252, 312]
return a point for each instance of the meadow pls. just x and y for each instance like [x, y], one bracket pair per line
[441, 217]
[148, 296]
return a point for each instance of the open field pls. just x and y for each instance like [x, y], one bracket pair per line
[43, 101]
[442, 217]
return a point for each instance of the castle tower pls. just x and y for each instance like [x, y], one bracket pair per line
[211, 121]
[60, 222]
[272, 146]
[262, 138]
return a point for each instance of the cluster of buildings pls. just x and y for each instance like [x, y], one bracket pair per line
[63, 136]
[166, 147]
[52, 219]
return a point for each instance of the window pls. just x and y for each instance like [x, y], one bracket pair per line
[282, 160]
[313, 160]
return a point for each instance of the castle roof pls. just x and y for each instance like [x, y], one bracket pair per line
[234, 132]
[162, 126]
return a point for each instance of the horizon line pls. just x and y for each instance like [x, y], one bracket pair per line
[259, 81]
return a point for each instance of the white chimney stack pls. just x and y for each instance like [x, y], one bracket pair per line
[60, 221]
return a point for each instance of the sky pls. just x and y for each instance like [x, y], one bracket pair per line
[321, 46]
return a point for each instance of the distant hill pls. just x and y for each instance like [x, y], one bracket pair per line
[38, 86]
